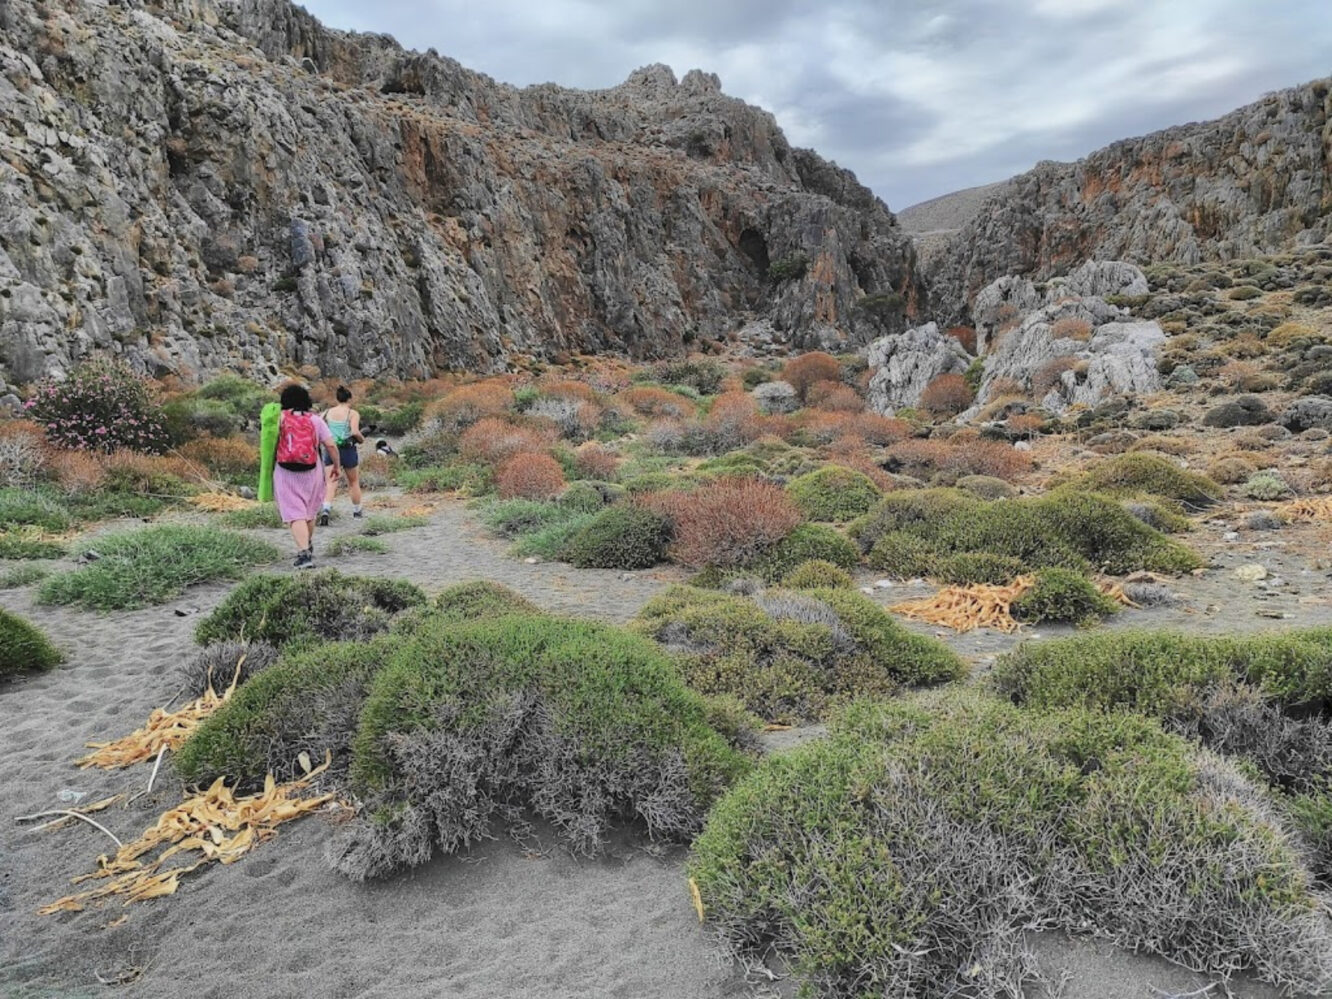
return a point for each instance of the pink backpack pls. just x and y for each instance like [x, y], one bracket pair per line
[298, 445]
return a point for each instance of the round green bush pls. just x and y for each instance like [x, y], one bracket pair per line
[620, 537]
[806, 542]
[23, 647]
[1140, 472]
[970, 568]
[481, 599]
[887, 859]
[834, 493]
[588, 496]
[817, 574]
[789, 655]
[307, 606]
[903, 555]
[1063, 595]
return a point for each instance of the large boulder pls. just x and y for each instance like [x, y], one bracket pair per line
[1311, 411]
[1105, 277]
[905, 363]
[1003, 301]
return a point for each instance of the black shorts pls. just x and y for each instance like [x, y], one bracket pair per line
[349, 456]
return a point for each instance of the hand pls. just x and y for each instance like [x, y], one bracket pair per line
[336, 471]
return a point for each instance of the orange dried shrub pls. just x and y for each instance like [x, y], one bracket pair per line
[729, 522]
[819, 427]
[149, 473]
[567, 388]
[834, 397]
[734, 421]
[878, 429]
[970, 456]
[853, 452]
[947, 395]
[529, 476]
[467, 405]
[648, 400]
[965, 335]
[492, 440]
[1025, 424]
[1072, 328]
[593, 461]
[77, 472]
[804, 372]
[224, 456]
[1048, 375]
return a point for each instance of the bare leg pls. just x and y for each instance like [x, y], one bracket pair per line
[302, 532]
[354, 484]
[330, 486]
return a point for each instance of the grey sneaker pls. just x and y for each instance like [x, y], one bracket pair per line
[323, 517]
[304, 560]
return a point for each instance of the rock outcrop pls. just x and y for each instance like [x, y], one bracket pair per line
[1257, 180]
[903, 364]
[196, 185]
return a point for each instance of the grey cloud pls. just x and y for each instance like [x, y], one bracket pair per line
[917, 98]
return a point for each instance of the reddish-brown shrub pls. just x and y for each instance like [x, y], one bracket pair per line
[24, 453]
[1047, 376]
[817, 427]
[466, 405]
[376, 470]
[222, 455]
[1072, 328]
[947, 395]
[77, 472]
[803, 372]
[964, 335]
[1005, 386]
[968, 456]
[729, 522]
[148, 473]
[852, 452]
[492, 440]
[877, 429]
[592, 461]
[834, 397]
[1025, 424]
[566, 388]
[733, 421]
[648, 400]
[529, 476]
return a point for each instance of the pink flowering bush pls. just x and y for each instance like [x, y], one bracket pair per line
[101, 406]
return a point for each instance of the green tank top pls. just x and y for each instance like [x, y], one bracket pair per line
[341, 431]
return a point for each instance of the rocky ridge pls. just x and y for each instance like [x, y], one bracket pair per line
[1258, 180]
[198, 185]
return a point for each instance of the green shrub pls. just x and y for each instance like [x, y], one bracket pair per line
[970, 568]
[806, 542]
[252, 517]
[153, 565]
[350, 544]
[32, 508]
[548, 542]
[479, 600]
[901, 856]
[391, 523]
[1139, 472]
[22, 545]
[1266, 485]
[1243, 293]
[589, 496]
[23, 647]
[307, 606]
[903, 555]
[817, 574]
[461, 477]
[1063, 529]
[1063, 595]
[585, 725]
[100, 406]
[986, 487]
[512, 518]
[1159, 515]
[22, 575]
[402, 420]
[788, 268]
[619, 537]
[789, 655]
[834, 493]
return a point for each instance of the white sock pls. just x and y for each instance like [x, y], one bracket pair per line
[356, 508]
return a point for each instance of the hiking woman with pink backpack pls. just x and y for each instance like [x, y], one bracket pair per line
[298, 470]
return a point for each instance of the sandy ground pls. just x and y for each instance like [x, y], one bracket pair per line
[506, 920]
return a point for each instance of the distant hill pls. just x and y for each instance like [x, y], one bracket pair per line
[947, 212]
[1254, 181]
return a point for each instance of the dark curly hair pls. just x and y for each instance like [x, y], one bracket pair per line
[297, 397]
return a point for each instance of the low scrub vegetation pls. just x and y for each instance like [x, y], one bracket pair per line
[833, 493]
[905, 855]
[23, 648]
[789, 655]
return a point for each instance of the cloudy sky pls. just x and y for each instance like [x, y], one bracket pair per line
[918, 98]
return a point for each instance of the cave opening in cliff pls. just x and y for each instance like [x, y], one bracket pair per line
[755, 247]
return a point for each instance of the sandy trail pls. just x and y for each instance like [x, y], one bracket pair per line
[503, 920]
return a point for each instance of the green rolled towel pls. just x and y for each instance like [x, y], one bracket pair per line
[270, 418]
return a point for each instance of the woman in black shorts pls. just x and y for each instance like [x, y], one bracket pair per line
[345, 424]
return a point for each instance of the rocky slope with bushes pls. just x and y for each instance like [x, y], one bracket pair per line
[197, 185]
[1255, 181]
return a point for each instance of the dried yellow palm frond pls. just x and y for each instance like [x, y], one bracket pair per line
[221, 502]
[965, 608]
[1307, 510]
[215, 825]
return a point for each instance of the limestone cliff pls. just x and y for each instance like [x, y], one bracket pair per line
[1257, 180]
[205, 184]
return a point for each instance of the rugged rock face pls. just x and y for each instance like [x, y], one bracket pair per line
[904, 364]
[206, 184]
[1255, 181]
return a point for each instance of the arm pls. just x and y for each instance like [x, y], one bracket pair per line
[356, 427]
[330, 445]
